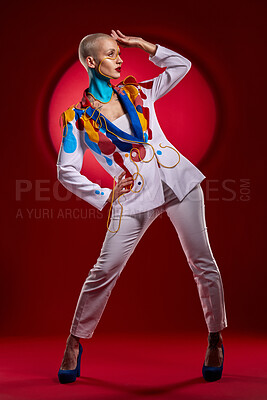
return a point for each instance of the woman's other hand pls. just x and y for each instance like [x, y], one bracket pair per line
[122, 187]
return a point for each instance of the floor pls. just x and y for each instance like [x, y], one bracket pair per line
[133, 367]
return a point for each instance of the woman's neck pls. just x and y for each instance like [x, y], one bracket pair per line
[99, 87]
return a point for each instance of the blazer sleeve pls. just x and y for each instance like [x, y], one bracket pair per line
[177, 67]
[69, 164]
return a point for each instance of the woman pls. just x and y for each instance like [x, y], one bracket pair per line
[119, 125]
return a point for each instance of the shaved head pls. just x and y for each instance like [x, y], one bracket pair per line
[88, 47]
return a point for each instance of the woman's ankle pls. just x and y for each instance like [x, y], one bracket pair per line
[73, 340]
[215, 339]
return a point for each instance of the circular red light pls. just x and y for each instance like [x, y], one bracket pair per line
[187, 114]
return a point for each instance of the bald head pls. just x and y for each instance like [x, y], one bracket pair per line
[88, 47]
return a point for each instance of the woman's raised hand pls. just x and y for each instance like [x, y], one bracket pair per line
[126, 41]
[133, 41]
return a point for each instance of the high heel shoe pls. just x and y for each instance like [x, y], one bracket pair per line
[212, 374]
[70, 375]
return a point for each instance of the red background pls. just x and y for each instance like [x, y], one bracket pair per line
[45, 261]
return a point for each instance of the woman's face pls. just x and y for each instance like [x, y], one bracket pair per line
[108, 61]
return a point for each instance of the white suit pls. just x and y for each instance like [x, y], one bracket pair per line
[181, 178]
[164, 181]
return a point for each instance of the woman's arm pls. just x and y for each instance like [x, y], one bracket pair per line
[69, 164]
[176, 65]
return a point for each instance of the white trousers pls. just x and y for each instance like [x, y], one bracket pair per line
[188, 218]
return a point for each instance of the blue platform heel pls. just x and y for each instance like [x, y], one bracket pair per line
[212, 374]
[70, 375]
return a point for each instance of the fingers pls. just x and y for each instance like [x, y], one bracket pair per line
[124, 36]
[114, 34]
[124, 185]
[121, 176]
[119, 37]
[122, 181]
[126, 182]
[125, 188]
[117, 33]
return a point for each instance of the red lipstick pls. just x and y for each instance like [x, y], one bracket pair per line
[118, 69]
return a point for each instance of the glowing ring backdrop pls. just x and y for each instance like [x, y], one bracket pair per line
[187, 114]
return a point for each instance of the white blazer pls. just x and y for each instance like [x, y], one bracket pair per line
[162, 161]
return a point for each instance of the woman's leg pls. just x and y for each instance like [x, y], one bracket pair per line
[115, 252]
[188, 218]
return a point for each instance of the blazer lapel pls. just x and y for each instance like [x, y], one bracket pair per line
[130, 108]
